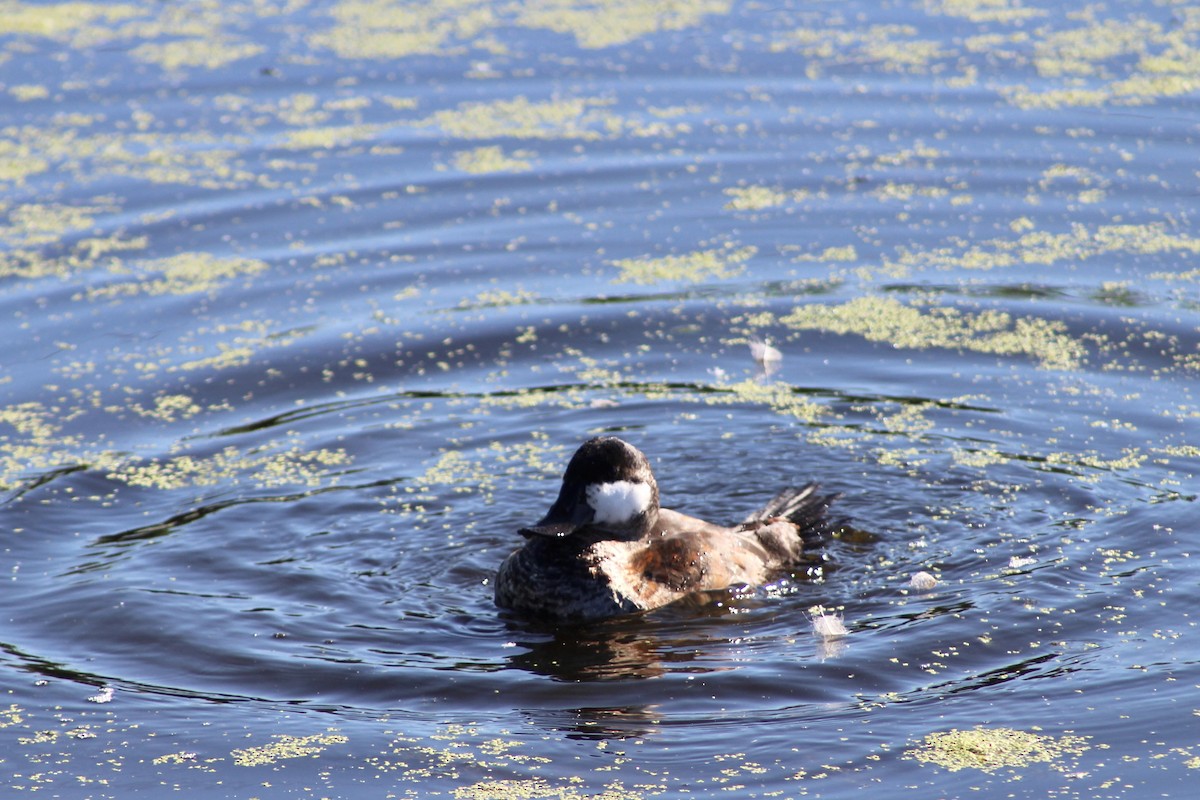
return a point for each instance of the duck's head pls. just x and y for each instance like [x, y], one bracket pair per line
[608, 486]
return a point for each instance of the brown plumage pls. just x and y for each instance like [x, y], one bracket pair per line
[607, 548]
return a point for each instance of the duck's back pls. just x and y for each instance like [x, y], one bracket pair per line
[556, 579]
[588, 575]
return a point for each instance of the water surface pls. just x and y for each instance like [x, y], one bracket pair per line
[309, 303]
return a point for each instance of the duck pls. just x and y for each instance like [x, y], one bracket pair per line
[607, 548]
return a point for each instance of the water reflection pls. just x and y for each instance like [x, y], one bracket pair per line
[600, 723]
[607, 651]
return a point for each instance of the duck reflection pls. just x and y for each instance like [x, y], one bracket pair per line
[600, 724]
[613, 650]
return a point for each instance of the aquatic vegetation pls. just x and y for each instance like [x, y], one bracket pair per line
[885, 319]
[57, 19]
[292, 467]
[285, 747]
[311, 298]
[205, 53]
[1077, 245]
[483, 160]
[755, 198]
[605, 23]
[582, 118]
[694, 267]
[383, 29]
[779, 397]
[185, 273]
[991, 749]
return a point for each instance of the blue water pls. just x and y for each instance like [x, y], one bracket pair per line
[308, 306]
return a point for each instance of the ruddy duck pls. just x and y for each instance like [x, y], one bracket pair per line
[607, 548]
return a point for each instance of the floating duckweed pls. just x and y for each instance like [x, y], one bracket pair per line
[978, 458]
[605, 23]
[209, 53]
[984, 10]
[182, 757]
[169, 408]
[231, 464]
[286, 747]
[779, 397]
[227, 357]
[891, 45]
[755, 198]
[454, 469]
[1041, 247]
[1078, 51]
[521, 118]
[382, 30]
[905, 192]
[31, 441]
[38, 224]
[500, 298]
[990, 749]
[884, 319]
[27, 92]
[56, 19]
[11, 716]
[830, 255]
[18, 162]
[516, 789]
[329, 137]
[183, 273]
[490, 159]
[701, 265]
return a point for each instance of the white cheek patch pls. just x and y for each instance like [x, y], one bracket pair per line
[619, 501]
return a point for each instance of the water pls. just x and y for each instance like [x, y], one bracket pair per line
[309, 303]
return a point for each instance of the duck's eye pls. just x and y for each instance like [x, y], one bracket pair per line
[619, 501]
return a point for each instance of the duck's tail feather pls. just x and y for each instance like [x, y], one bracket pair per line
[806, 506]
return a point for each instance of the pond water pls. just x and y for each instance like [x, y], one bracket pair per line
[308, 303]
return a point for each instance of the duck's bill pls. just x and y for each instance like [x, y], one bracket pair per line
[553, 530]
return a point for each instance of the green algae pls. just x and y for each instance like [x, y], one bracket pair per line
[33, 224]
[521, 118]
[1074, 246]
[286, 747]
[830, 255]
[383, 29]
[992, 749]
[491, 159]
[1126, 62]
[172, 408]
[58, 19]
[894, 47]
[11, 716]
[200, 158]
[183, 273]
[32, 440]
[390, 29]
[206, 53]
[756, 198]
[328, 137]
[482, 470]
[695, 267]
[606, 23]
[779, 397]
[26, 92]
[883, 319]
[980, 11]
[289, 467]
